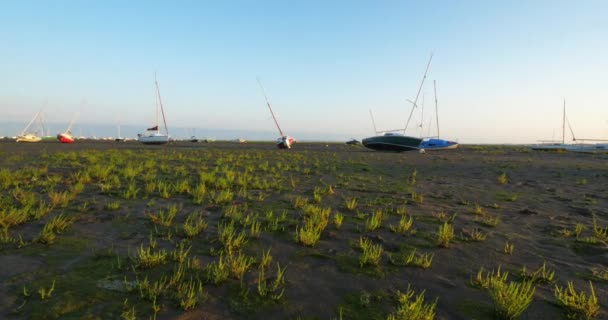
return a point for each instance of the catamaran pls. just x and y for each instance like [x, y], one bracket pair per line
[27, 136]
[153, 135]
[392, 140]
[284, 141]
[436, 143]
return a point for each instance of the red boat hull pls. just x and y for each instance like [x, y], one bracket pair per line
[65, 138]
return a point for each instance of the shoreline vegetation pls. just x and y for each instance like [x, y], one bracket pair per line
[224, 230]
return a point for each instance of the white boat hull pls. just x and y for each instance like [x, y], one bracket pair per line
[155, 139]
[28, 138]
[589, 148]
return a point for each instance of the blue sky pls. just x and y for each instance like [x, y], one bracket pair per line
[502, 68]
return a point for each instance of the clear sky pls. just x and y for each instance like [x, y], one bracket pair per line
[502, 68]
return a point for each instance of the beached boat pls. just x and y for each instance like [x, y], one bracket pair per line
[26, 136]
[119, 138]
[588, 147]
[552, 145]
[66, 136]
[391, 140]
[436, 143]
[284, 141]
[153, 135]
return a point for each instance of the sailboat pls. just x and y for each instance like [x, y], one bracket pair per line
[26, 136]
[66, 136]
[392, 140]
[119, 138]
[284, 141]
[552, 145]
[435, 143]
[153, 135]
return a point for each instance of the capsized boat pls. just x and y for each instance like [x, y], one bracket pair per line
[153, 135]
[392, 141]
[284, 141]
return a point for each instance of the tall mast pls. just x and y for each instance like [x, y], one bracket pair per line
[162, 110]
[30, 123]
[418, 94]
[373, 122]
[436, 112]
[564, 124]
[269, 108]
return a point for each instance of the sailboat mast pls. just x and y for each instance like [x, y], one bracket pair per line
[564, 123]
[269, 108]
[162, 110]
[418, 94]
[373, 122]
[436, 111]
[30, 123]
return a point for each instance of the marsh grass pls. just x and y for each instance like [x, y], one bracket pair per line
[474, 235]
[375, 221]
[541, 275]
[600, 273]
[508, 248]
[370, 252]
[445, 234]
[599, 232]
[194, 225]
[512, 299]
[164, 218]
[502, 178]
[59, 199]
[230, 238]
[266, 258]
[45, 293]
[422, 260]
[488, 220]
[412, 306]
[338, 219]
[485, 280]
[238, 264]
[577, 304]
[217, 272]
[189, 293]
[112, 205]
[54, 226]
[272, 288]
[350, 204]
[147, 259]
[405, 224]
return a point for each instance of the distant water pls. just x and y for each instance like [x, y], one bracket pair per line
[10, 129]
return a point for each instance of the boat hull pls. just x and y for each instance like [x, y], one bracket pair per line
[550, 147]
[28, 138]
[394, 143]
[589, 148]
[438, 144]
[285, 142]
[154, 139]
[65, 138]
